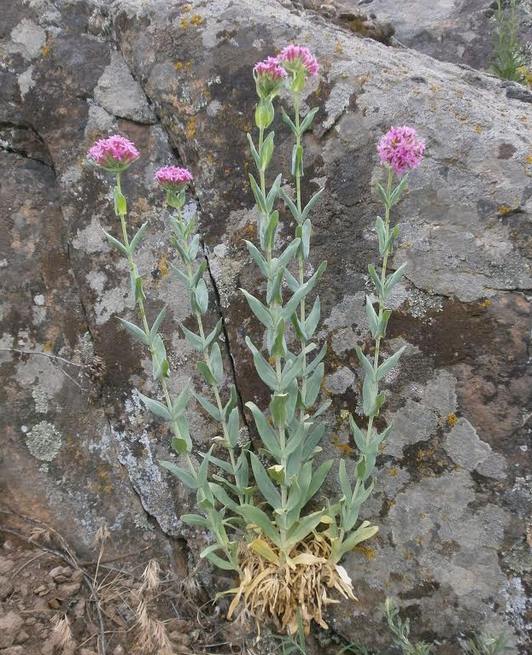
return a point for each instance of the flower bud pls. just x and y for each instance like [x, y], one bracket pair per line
[269, 76]
[299, 63]
[264, 113]
[174, 180]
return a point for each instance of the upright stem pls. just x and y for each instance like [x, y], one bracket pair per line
[214, 385]
[142, 313]
[282, 443]
[381, 299]
[300, 254]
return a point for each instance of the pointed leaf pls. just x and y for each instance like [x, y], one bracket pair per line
[116, 243]
[155, 407]
[135, 241]
[388, 364]
[185, 477]
[264, 483]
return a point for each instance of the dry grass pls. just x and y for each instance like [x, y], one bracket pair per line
[151, 633]
[279, 593]
[62, 637]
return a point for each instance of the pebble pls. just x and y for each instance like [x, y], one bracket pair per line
[61, 573]
[21, 637]
[6, 587]
[79, 608]
[69, 589]
[6, 565]
[10, 625]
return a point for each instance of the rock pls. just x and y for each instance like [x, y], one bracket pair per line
[69, 589]
[461, 309]
[14, 650]
[119, 94]
[61, 573]
[6, 565]
[22, 637]
[466, 449]
[10, 625]
[79, 608]
[6, 587]
[462, 32]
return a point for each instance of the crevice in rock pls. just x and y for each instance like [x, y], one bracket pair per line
[226, 335]
[23, 140]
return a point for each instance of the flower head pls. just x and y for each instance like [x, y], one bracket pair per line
[300, 63]
[174, 181]
[268, 76]
[114, 154]
[173, 178]
[401, 149]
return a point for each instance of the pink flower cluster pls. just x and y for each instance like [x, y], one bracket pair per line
[299, 56]
[114, 153]
[271, 68]
[401, 149]
[173, 178]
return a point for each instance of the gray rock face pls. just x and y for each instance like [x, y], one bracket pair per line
[451, 497]
[460, 31]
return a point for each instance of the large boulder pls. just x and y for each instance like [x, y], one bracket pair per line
[451, 493]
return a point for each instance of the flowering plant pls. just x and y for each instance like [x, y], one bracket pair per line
[268, 522]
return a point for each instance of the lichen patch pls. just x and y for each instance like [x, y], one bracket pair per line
[44, 441]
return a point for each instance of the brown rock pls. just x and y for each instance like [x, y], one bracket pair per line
[79, 608]
[10, 624]
[6, 587]
[22, 637]
[69, 589]
[6, 565]
[61, 573]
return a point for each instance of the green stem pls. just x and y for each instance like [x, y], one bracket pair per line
[282, 443]
[381, 301]
[300, 255]
[214, 386]
[142, 313]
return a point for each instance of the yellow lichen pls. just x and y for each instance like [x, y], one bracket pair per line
[485, 303]
[163, 266]
[197, 20]
[504, 210]
[393, 471]
[368, 552]
[452, 420]
[190, 129]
